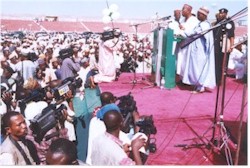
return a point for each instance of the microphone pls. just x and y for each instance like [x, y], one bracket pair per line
[165, 18]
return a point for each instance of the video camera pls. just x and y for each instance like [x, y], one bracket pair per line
[127, 105]
[110, 34]
[46, 120]
[65, 53]
[146, 124]
[36, 95]
[70, 83]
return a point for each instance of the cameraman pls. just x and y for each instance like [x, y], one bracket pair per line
[70, 66]
[101, 153]
[106, 63]
[8, 87]
[63, 129]
[97, 127]
[66, 100]
[32, 107]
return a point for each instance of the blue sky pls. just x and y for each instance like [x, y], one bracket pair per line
[128, 9]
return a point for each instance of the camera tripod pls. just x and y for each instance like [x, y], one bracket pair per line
[143, 80]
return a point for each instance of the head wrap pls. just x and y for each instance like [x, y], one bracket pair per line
[106, 108]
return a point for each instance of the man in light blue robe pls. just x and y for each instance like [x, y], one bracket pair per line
[199, 67]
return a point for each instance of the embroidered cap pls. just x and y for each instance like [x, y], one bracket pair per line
[204, 10]
[188, 7]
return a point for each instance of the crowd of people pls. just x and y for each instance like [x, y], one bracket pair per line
[58, 77]
[41, 74]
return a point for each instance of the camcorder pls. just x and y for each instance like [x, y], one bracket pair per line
[36, 95]
[129, 65]
[110, 34]
[146, 125]
[46, 120]
[127, 106]
[70, 83]
[65, 53]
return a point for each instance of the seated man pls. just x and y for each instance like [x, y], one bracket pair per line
[101, 153]
[237, 61]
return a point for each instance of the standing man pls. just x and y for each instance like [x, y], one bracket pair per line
[199, 68]
[15, 149]
[175, 23]
[70, 65]
[26, 68]
[187, 28]
[223, 41]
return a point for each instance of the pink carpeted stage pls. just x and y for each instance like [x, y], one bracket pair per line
[185, 121]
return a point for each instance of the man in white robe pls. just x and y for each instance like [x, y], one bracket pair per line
[187, 27]
[106, 63]
[238, 61]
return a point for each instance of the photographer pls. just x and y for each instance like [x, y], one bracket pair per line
[66, 100]
[58, 121]
[106, 64]
[34, 102]
[7, 101]
[101, 153]
[97, 127]
[70, 64]
[8, 87]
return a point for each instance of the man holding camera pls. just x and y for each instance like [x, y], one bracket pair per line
[97, 126]
[106, 65]
[38, 111]
[70, 65]
[101, 153]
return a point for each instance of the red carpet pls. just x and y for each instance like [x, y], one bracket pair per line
[185, 119]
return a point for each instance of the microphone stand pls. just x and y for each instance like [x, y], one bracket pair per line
[223, 136]
[135, 81]
[192, 38]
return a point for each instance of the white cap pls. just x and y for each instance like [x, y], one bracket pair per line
[25, 51]
[12, 55]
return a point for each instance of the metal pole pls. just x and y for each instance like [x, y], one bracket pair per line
[240, 126]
